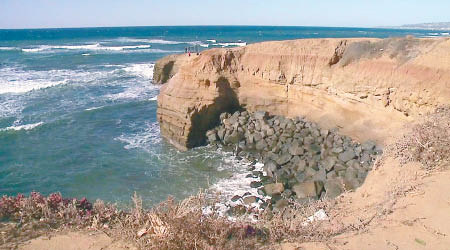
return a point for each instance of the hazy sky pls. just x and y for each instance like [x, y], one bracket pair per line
[83, 13]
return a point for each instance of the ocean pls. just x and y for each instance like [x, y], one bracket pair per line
[78, 110]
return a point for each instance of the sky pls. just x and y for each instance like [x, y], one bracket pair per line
[98, 13]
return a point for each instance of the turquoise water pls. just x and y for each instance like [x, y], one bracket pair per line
[78, 109]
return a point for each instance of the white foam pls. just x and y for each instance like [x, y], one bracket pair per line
[143, 140]
[238, 184]
[9, 48]
[133, 92]
[23, 127]
[94, 47]
[26, 85]
[160, 41]
[141, 70]
[240, 44]
[146, 40]
[212, 41]
[94, 108]
[155, 98]
[10, 107]
[16, 80]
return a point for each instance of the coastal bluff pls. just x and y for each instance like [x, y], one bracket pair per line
[368, 88]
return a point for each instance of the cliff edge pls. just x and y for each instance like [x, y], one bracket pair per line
[369, 88]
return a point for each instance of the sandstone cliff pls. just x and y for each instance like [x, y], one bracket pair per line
[368, 88]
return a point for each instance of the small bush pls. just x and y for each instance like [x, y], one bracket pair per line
[427, 142]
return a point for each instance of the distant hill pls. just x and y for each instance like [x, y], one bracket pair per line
[426, 26]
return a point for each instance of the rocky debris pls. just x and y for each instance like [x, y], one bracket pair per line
[301, 160]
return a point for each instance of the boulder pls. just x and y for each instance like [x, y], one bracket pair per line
[255, 184]
[347, 155]
[296, 149]
[283, 159]
[333, 188]
[250, 200]
[274, 188]
[308, 189]
[329, 163]
[260, 115]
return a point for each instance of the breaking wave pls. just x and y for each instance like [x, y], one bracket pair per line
[23, 127]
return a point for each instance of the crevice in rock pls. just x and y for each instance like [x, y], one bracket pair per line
[207, 117]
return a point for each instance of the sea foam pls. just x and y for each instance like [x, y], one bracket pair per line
[23, 127]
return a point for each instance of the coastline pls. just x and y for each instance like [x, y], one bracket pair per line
[223, 79]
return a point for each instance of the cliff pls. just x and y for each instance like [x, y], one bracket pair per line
[369, 88]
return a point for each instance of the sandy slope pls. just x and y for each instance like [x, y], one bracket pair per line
[76, 241]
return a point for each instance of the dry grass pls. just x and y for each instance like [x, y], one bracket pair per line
[427, 142]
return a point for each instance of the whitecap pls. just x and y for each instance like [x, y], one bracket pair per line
[94, 108]
[240, 44]
[212, 41]
[17, 80]
[155, 98]
[93, 47]
[23, 127]
[141, 70]
[9, 48]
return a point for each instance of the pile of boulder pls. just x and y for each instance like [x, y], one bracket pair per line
[301, 160]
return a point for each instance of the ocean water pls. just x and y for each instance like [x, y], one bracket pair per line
[78, 109]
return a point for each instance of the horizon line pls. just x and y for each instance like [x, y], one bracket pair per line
[204, 25]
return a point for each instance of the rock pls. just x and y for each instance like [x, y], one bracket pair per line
[286, 194]
[250, 199]
[224, 116]
[255, 184]
[347, 155]
[221, 133]
[283, 159]
[260, 115]
[270, 167]
[308, 140]
[329, 163]
[320, 175]
[333, 188]
[238, 210]
[337, 149]
[296, 149]
[315, 148]
[368, 145]
[308, 189]
[212, 137]
[301, 165]
[274, 188]
[300, 176]
[261, 145]
[235, 198]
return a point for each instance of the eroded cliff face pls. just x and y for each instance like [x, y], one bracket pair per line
[368, 88]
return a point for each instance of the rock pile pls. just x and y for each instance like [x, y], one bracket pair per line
[301, 160]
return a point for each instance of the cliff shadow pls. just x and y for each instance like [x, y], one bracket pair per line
[167, 71]
[209, 116]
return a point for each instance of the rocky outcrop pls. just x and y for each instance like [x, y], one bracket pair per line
[165, 69]
[368, 88]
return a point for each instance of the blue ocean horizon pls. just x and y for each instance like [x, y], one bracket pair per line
[78, 108]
